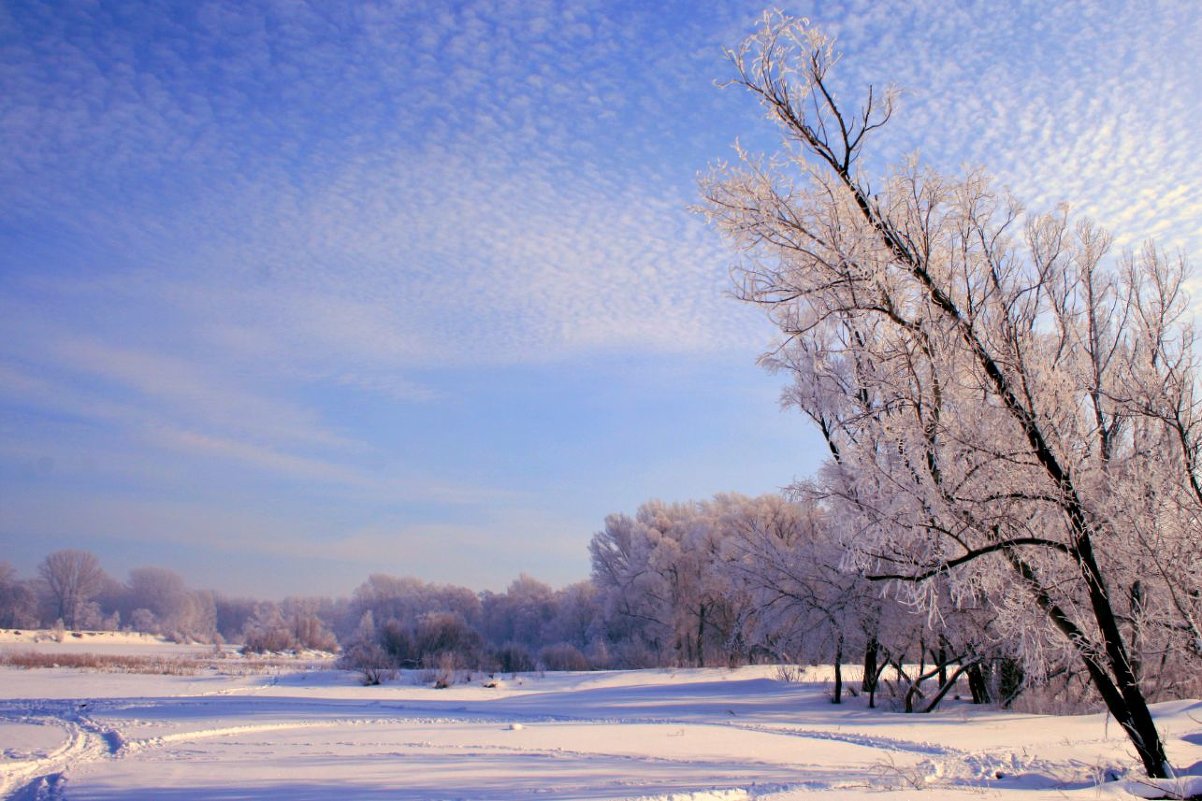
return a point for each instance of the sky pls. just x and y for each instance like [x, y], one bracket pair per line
[292, 293]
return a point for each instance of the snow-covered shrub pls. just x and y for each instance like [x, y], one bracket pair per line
[310, 631]
[790, 674]
[267, 632]
[446, 670]
[370, 661]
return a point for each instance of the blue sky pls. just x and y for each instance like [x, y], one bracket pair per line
[292, 293]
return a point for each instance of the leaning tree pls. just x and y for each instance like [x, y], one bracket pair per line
[1012, 414]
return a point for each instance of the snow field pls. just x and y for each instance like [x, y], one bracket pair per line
[688, 735]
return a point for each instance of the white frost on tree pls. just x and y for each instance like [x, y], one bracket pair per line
[1010, 409]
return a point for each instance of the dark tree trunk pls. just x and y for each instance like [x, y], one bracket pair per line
[838, 694]
[1138, 603]
[977, 684]
[945, 685]
[1107, 662]
[871, 653]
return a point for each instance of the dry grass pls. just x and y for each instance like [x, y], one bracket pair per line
[160, 665]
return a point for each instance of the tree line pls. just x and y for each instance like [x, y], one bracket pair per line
[726, 581]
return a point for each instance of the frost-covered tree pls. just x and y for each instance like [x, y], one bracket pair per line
[662, 584]
[683, 583]
[18, 601]
[520, 614]
[232, 615]
[267, 631]
[72, 578]
[634, 595]
[312, 621]
[804, 604]
[577, 621]
[162, 603]
[1012, 416]
[406, 599]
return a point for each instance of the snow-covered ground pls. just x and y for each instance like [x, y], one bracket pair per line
[687, 735]
[115, 643]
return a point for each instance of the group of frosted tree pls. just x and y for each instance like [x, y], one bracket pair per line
[405, 622]
[1011, 410]
[72, 591]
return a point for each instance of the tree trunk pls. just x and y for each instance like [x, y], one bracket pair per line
[837, 698]
[871, 652]
[1137, 612]
[1110, 670]
[945, 685]
[977, 684]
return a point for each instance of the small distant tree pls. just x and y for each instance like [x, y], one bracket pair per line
[144, 621]
[805, 604]
[18, 601]
[521, 614]
[232, 615]
[577, 618]
[268, 631]
[72, 578]
[177, 612]
[396, 640]
[660, 581]
[444, 639]
[371, 661]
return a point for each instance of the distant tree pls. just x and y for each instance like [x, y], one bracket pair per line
[267, 631]
[633, 562]
[144, 621]
[1008, 418]
[445, 638]
[176, 610]
[665, 586]
[72, 578]
[232, 615]
[521, 614]
[577, 619]
[309, 620]
[514, 657]
[562, 656]
[407, 599]
[396, 640]
[804, 604]
[18, 600]
[372, 662]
